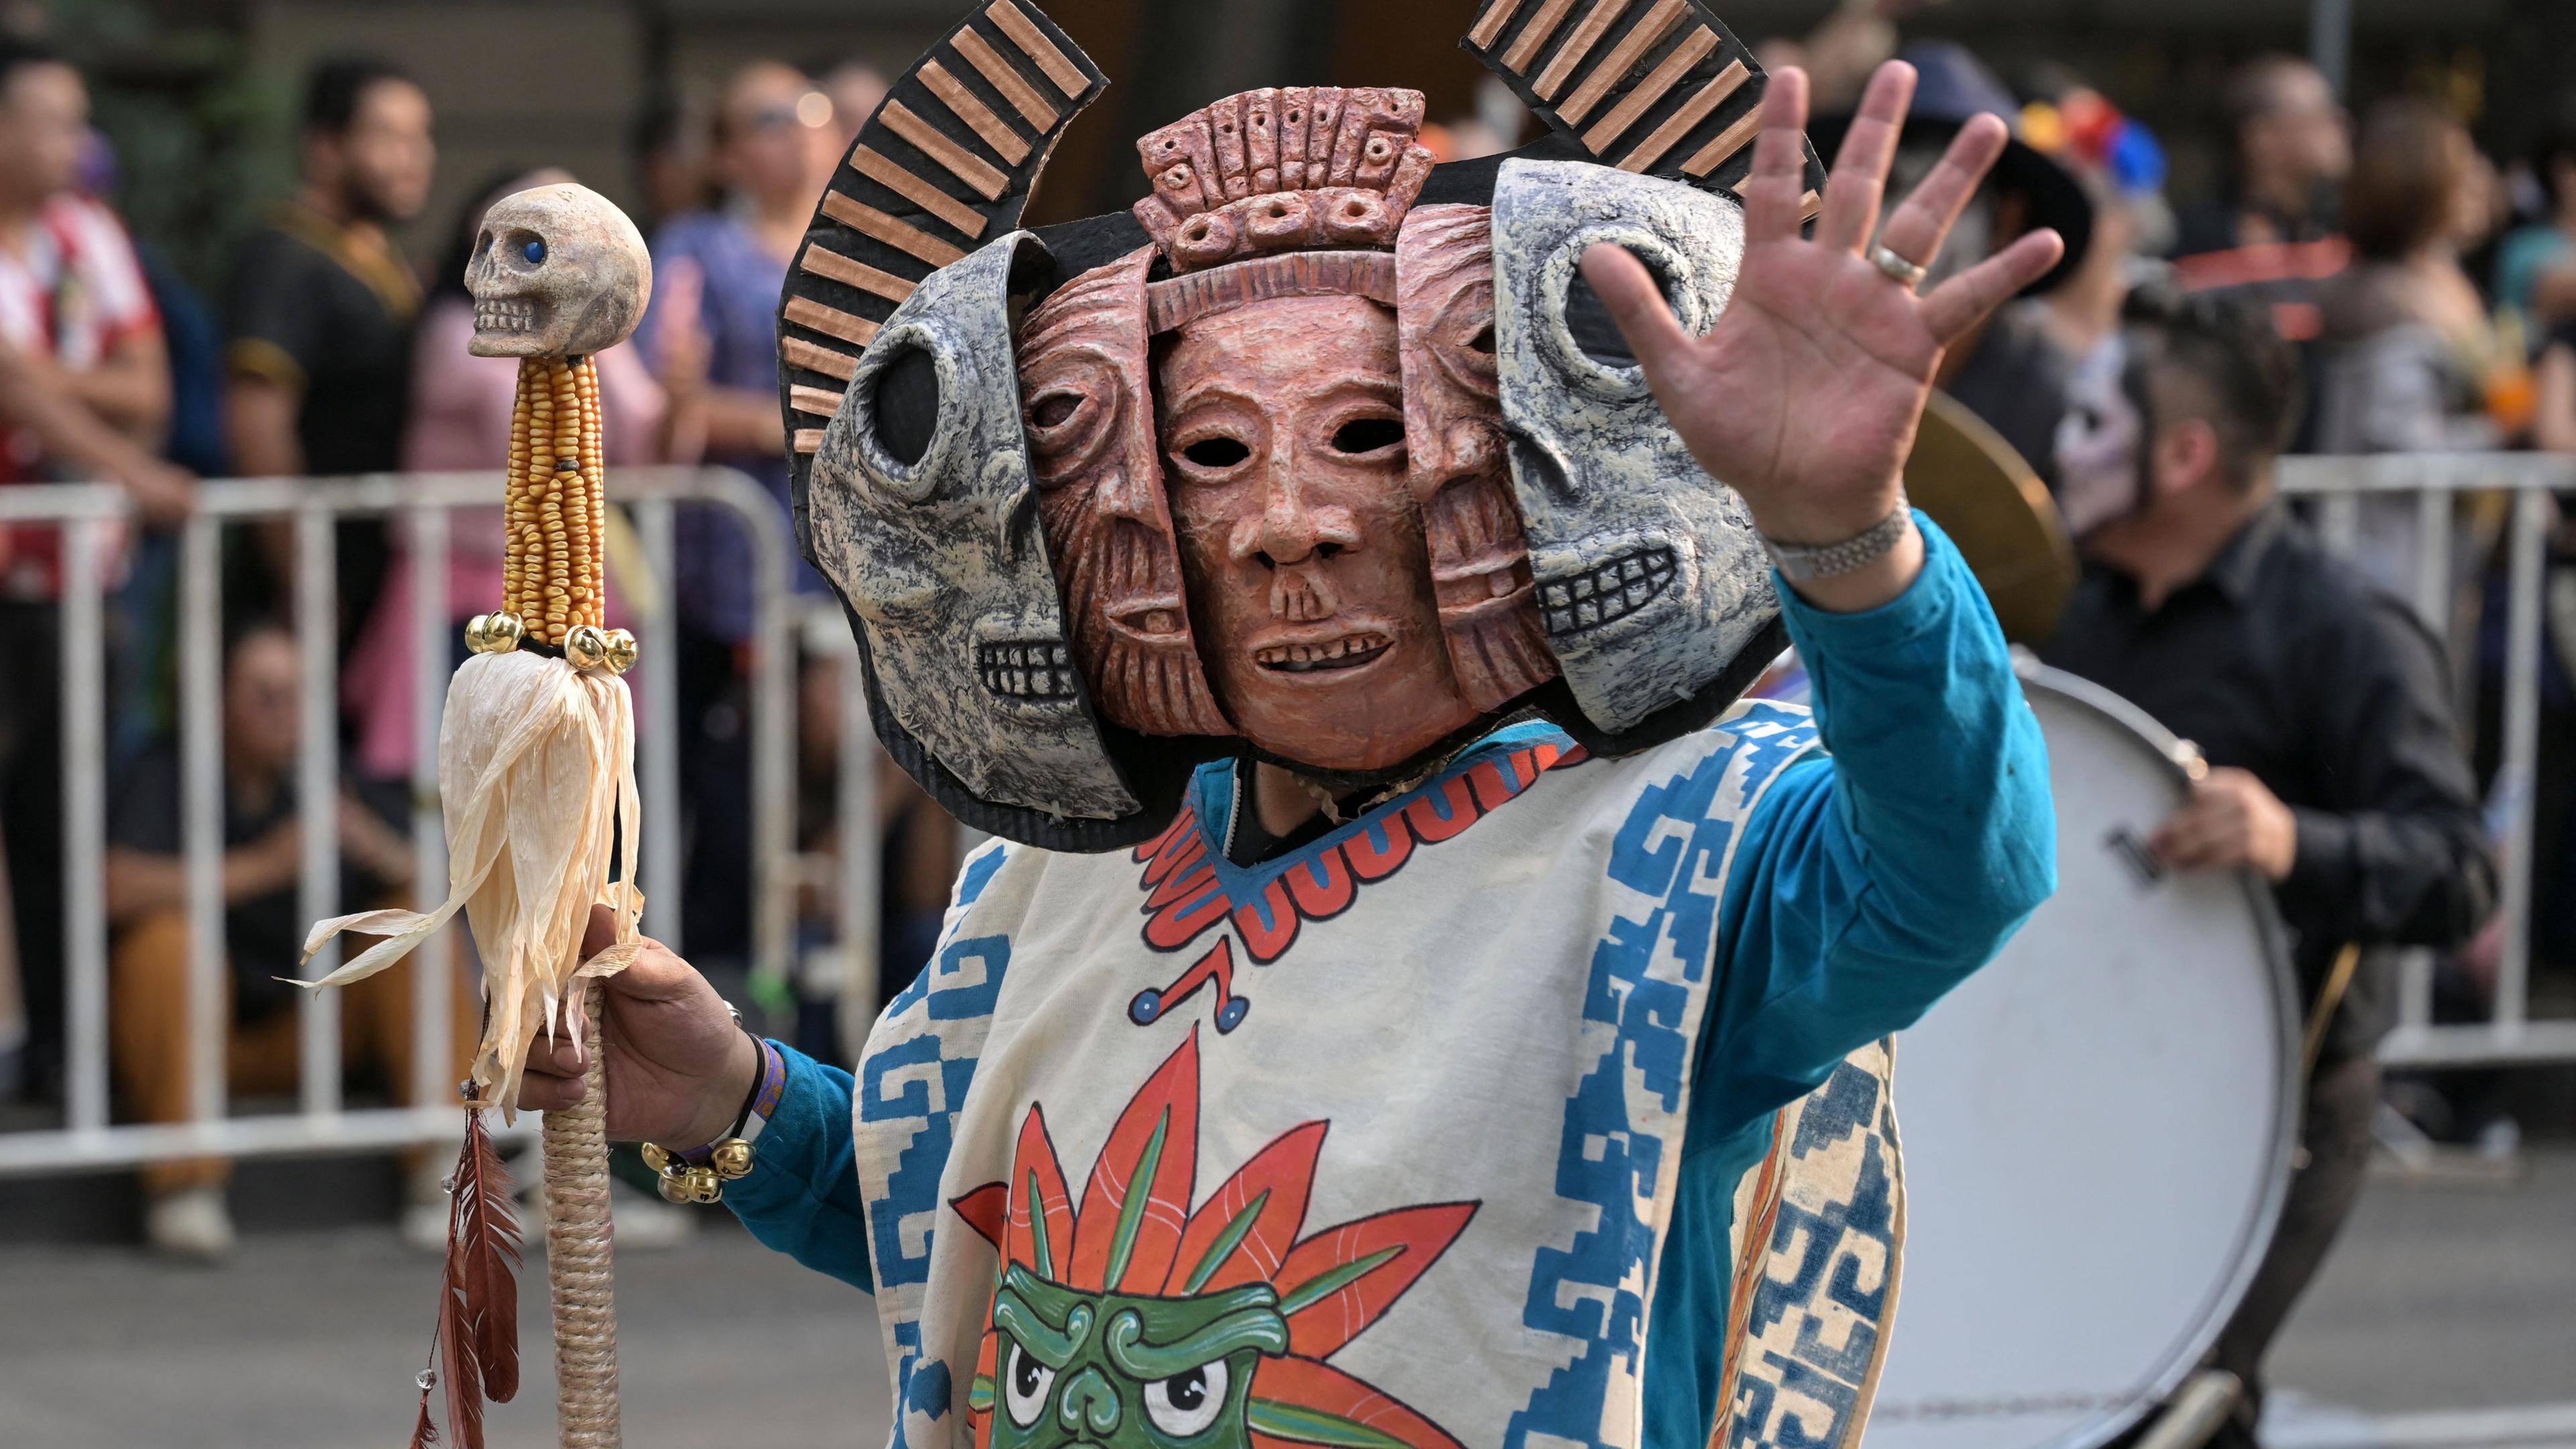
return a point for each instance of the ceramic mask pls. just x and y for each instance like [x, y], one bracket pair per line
[1090, 422]
[1649, 575]
[943, 560]
[1283, 432]
[1460, 470]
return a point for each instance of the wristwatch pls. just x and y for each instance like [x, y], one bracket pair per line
[1800, 563]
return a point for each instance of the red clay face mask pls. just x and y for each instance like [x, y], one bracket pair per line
[1283, 432]
[1460, 470]
[1090, 428]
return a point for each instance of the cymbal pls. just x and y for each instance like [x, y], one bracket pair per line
[1992, 504]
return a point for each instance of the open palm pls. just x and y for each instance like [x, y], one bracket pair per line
[1805, 395]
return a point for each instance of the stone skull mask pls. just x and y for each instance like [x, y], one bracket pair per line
[1650, 577]
[557, 271]
[934, 542]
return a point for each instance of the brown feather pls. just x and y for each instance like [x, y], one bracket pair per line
[464, 1381]
[425, 1433]
[488, 1233]
[478, 1298]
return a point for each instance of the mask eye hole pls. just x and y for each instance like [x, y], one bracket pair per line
[1054, 410]
[906, 408]
[1026, 1382]
[1361, 436]
[1218, 453]
[1482, 343]
[1189, 1401]
[1588, 318]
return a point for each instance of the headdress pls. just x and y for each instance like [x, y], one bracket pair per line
[988, 494]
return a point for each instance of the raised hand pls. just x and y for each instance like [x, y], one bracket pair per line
[678, 1066]
[1805, 395]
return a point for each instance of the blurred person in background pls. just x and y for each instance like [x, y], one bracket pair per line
[2292, 148]
[84, 393]
[2007, 370]
[2122, 168]
[142, 617]
[2535, 274]
[720, 273]
[670, 165]
[459, 418]
[2273, 231]
[2406, 353]
[320, 316]
[856, 89]
[264, 922]
[2323, 708]
[1854, 39]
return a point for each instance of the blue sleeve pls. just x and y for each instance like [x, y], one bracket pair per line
[802, 1195]
[1870, 882]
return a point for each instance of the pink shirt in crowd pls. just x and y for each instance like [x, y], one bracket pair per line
[460, 419]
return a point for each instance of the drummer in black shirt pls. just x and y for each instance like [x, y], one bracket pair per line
[2322, 708]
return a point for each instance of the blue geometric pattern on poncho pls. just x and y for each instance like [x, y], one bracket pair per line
[952, 1000]
[1817, 1330]
[1672, 849]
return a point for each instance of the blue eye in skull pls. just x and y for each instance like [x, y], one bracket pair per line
[534, 251]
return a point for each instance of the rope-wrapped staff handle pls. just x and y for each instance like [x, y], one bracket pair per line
[558, 274]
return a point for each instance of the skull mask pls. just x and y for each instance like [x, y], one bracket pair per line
[935, 545]
[557, 271]
[1651, 580]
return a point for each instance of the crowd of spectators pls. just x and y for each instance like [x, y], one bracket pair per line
[2426, 293]
[330, 352]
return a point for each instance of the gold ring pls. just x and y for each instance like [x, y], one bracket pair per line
[1898, 268]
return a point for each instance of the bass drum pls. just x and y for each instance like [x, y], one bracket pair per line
[2097, 1127]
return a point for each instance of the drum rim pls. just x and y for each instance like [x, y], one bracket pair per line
[2264, 1224]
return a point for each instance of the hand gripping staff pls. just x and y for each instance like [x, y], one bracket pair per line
[536, 772]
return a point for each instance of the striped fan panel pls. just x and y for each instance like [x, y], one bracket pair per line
[943, 167]
[1657, 86]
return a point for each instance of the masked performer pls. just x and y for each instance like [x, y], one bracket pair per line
[1335, 584]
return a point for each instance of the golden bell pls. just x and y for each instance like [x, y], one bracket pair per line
[622, 651]
[656, 1158]
[501, 632]
[586, 647]
[732, 1159]
[673, 1190]
[478, 634]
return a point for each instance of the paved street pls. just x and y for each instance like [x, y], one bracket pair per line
[2444, 1299]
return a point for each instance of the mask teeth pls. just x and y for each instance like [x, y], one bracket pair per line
[505, 315]
[1602, 595]
[1039, 670]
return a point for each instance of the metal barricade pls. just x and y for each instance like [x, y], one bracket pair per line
[2436, 482]
[91, 516]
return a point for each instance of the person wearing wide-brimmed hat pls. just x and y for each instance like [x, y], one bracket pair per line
[2007, 371]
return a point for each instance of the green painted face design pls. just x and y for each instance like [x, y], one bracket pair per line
[1123, 1371]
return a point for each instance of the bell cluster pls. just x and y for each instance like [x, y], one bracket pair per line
[585, 647]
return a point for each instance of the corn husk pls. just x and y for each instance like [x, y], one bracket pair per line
[536, 766]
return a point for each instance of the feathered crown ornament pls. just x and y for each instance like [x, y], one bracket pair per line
[536, 772]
